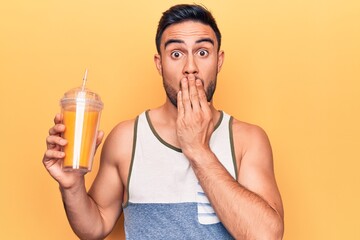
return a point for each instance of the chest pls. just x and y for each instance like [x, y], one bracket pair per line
[159, 172]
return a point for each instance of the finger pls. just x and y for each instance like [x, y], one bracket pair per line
[185, 95]
[57, 129]
[53, 155]
[180, 105]
[58, 118]
[99, 137]
[53, 141]
[202, 95]
[194, 96]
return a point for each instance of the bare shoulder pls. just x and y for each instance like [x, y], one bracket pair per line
[122, 130]
[252, 151]
[249, 136]
[109, 188]
[118, 144]
[255, 163]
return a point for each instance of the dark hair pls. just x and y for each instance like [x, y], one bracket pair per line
[185, 12]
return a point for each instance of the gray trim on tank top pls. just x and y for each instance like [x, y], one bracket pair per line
[232, 146]
[173, 147]
[168, 144]
[132, 161]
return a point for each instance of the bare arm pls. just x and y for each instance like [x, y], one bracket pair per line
[250, 207]
[91, 215]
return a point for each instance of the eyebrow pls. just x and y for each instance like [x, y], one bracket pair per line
[170, 41]
[205, 40]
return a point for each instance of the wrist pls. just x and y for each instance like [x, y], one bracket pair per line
[76, 185]
[198, 155]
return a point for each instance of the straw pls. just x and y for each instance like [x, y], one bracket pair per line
[84, 80]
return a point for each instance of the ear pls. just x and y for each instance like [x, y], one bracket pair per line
[157, 60]
[221, 56]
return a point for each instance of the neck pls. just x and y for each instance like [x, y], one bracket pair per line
[169, 110]
[164, 119]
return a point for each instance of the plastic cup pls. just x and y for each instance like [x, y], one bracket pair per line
[81, 111]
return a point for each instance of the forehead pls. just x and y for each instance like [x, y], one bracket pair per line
[188, 31]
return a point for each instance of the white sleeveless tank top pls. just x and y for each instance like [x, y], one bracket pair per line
[165, 200]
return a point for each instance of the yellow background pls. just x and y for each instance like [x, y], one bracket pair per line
[292, 67]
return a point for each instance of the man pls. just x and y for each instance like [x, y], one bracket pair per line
[183, 170]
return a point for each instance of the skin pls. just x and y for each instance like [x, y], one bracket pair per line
[250, 207]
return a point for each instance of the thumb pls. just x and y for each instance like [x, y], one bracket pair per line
[99, 137]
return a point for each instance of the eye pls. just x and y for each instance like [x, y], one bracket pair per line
[176, 54]
[203, 53]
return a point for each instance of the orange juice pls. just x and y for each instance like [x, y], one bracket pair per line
[80, 132]
[81, 111]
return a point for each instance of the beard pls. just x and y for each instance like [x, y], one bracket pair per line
[171, 92]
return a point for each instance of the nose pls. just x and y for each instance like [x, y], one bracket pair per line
[190, 66]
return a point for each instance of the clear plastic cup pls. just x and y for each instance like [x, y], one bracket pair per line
[81, 111]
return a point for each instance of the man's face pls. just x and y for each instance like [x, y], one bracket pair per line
[188, 48]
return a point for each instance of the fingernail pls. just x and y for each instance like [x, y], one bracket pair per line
[63, 142]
